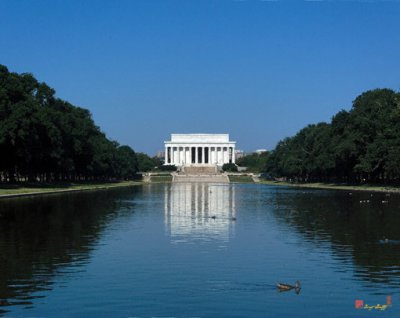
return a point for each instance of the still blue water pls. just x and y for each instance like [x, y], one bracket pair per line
[200, 250]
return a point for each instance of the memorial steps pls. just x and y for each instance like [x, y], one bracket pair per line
[200, 178]
[207, 174]
[199, 170]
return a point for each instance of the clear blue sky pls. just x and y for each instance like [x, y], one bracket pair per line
[259, 70]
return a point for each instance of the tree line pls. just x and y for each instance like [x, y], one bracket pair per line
[44, 138]
[359, 145]
[255, 162]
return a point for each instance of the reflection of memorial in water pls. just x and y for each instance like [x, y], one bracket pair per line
[200, 210]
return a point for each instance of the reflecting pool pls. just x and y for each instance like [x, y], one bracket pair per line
[200, 250]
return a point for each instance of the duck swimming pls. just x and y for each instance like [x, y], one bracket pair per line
[287, 287]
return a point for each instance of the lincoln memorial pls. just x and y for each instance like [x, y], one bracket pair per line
[199, 149]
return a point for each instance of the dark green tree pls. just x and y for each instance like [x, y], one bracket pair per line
[362, 145]
[254, 162]
[43, 138]
[145, 162]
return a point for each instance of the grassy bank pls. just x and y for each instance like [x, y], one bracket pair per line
[161, 178]
[333, 186]
[16, 190]
[240, 179]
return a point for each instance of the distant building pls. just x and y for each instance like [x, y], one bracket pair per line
[260, 151]
[239, 154]
[161, 155]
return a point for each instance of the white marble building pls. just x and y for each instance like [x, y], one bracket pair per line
[199, 149]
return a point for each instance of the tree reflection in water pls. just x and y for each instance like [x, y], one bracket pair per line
[353, 226]
[48, 236]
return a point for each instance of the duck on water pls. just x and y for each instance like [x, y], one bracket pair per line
[286, 287]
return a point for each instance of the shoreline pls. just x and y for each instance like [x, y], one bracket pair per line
[36, 191]
[333, 186]
[8, 193]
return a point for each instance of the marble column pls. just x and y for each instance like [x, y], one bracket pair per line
[188, 161]
[182, 161]
[224, 155]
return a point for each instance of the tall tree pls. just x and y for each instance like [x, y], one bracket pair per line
[45, 138]
[360, 145]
